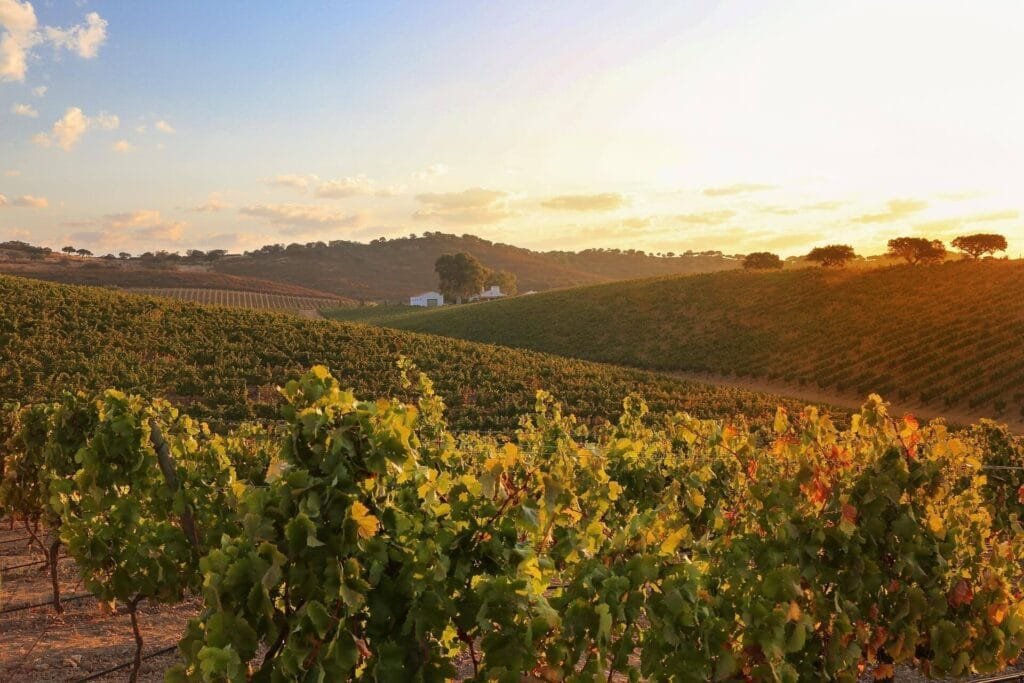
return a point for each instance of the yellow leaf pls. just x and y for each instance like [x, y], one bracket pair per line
[781, 421]
[937, 526]
[794, 612]
[614, 489]
[366, 522]
[672, 541]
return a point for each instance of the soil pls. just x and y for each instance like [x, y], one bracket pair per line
[40, 645]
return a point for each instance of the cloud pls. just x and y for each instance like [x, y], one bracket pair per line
[213, 204]
[823, 206]
[705, 218]
[119, 231]
[475, 205]
[25, 201]
[352, 187]
[608, 201]
[349, 186]
[738, 188]
[122, 146]
[896, 209]
[146, 224]
[292, 180]
[24, 110]
[21, 34]
[30, 202]
[432, 171]
[304, 218]
[69, 129]
[84, 40]
[959, 223]
[11, 173]
[39, 90]
[164, 127]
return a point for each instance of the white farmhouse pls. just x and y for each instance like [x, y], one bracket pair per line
[494, 292]
[427, 299]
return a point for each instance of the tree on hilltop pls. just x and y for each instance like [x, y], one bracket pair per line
[762, 260]
[917, 249]
[83, 252]
[980, 244]
[832, 256]
[69, 250]
[460, 275]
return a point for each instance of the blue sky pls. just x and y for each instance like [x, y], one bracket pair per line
[664, 126]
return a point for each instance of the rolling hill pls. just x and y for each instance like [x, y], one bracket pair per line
[947, 336]
[225, 362]
[394, 269]
[127, 274]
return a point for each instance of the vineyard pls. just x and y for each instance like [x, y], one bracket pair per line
[947, 336]
[224, 363]
[366, 540]
[261, 301]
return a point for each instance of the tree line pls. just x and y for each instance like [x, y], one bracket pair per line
[914, 250]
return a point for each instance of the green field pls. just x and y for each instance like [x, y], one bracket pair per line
[947, 335]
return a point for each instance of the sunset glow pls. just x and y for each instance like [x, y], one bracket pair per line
[737, 126]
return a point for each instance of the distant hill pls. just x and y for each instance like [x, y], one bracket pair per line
[133, 273]
[947, 335]
[394, 269]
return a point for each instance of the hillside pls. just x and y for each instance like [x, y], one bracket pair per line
[260, 301]
[132, 273]
[947, 336]
[221, 362]
[394, 269]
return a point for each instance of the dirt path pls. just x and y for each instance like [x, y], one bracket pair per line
[850, 401]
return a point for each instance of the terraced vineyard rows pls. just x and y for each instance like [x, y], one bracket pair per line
[946, 335]
[225, 363]
[255, 300]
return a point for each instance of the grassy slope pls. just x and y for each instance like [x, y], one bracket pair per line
[224, 362]
[947, 335]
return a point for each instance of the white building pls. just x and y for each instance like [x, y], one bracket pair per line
[494, 292]
[427, 299]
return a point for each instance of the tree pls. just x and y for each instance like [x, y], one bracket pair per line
[124, 255]
[504, 279]
[762, 260]
[977, 245]
[69, 250]
[833, 255]
[460, 275]
[917, 249]
[83, 252]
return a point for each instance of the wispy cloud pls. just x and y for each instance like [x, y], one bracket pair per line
[301, 218]
[704, 218]
[164, 127]
[476, 205]
[607, 201]
[947, 226]
[738, 188]
[896, 209]
[213, 204]
[430, 172]
[25, 201]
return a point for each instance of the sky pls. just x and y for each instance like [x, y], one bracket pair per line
[663, 126]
